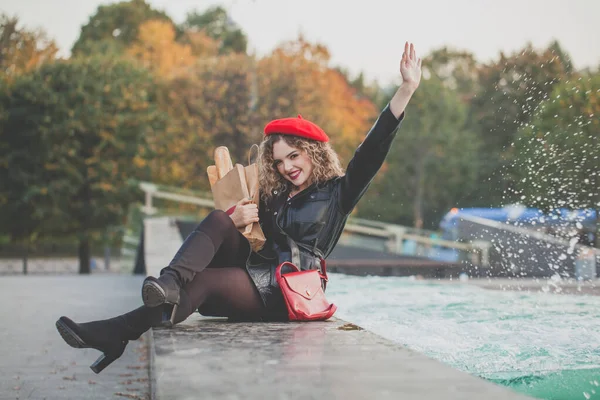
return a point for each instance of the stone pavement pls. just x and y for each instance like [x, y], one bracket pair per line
[37, 364]
[210, 358]
[55, 265]
[162, 240]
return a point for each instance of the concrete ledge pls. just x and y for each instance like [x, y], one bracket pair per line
[211, 358]
[216, 359]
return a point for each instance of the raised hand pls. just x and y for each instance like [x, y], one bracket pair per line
[410, 67]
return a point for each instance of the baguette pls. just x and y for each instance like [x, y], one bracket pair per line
[223, 161]
[213, 174]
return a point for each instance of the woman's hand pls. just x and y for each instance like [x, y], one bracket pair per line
[245, 213]
[410, 67]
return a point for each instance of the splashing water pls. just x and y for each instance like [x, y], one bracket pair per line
[544, 345]
[557, 157]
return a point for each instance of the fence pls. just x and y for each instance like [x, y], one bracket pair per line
[362, 233]
[520, 252]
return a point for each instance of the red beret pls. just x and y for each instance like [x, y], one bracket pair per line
[297, 127]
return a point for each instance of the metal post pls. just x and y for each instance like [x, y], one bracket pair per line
[150, 190]
[148, 201]
[484, 252]
[25, 264]
[398, 235]
[107, 258]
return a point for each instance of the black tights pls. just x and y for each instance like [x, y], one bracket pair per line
[211, 267]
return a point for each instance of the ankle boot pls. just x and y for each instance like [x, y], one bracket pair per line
[164, 290]
[110, 336]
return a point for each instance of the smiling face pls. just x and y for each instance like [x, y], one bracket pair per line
[294, 164]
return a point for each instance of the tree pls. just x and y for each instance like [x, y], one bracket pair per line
[558, 152]
[202, 45]
[433, 162]
[371, 91]
[457, 70]
[117, 23]
[157, 50]
[22, 50]
[227, 100]
[217, 25]
[296, 79]
[208, 106]
[511, 90]
[73, 135]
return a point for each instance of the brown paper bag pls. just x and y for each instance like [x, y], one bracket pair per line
[255, 235]
[231, 188]
[240, 182]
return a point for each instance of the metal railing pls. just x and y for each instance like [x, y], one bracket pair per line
[519, 251]
[398, 239]
[153, 191]
[395, 239]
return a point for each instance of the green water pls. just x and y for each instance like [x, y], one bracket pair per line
[561, 385]
[544, 345]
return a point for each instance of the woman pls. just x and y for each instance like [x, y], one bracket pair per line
[305, 201]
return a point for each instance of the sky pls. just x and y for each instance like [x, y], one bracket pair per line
[366, 35]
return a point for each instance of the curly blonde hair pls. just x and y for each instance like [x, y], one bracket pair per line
[326, 164]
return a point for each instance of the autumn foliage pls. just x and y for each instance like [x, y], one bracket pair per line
[296, 78]
[227, 100]
[156, 49]
[142, 97]
[22, 50]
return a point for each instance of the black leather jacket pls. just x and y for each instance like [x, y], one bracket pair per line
[315, 218]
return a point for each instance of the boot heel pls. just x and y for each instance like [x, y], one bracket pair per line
[169, 320]
[106, 359]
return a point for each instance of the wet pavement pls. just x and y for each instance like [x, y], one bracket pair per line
[210, 358]
[37, 364]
